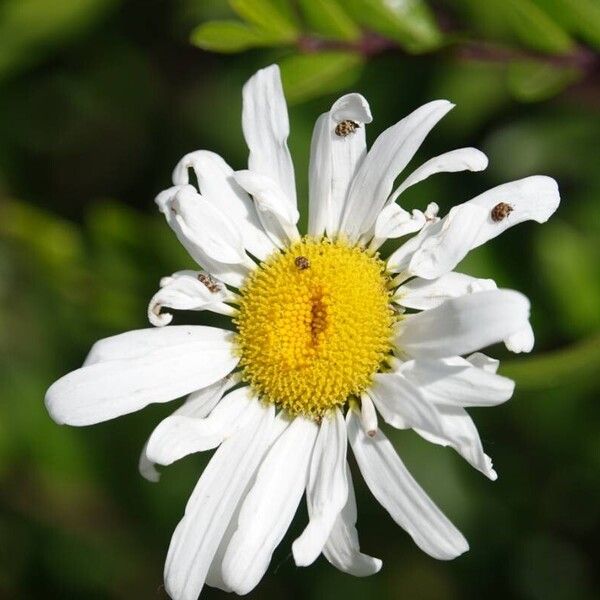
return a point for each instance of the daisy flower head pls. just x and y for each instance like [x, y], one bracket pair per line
[327, 338]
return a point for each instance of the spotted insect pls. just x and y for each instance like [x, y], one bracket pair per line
[501, 211]
[345, 128]
[302, 263]
[210, 282]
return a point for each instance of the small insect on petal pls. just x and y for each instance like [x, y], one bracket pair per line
[501, 211]
[211, 283]
[302, 263]
[345, 128]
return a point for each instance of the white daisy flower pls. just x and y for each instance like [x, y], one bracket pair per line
[327, 338]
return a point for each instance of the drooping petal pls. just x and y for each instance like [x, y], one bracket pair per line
[342, 549]
[188, 290]
[231, 274]
[278, 220]
[333, 162]
[463, 325]
[397, 491]
[212, 504]
[198, 405]
[472, 224]
[458, 382]
[390, 153]
[270, 506]
[327, 489]
[424, 294]
[134, 369]
[180, 435]
[266, 129]
[460, 433]
[462, 159]
[218, 186]
[447, 425]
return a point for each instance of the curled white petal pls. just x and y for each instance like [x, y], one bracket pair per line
[188, 290]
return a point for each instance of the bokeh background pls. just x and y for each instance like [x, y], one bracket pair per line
[100, 98]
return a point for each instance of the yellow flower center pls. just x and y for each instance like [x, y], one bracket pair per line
[314, 325]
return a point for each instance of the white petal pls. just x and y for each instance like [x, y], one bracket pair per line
[481, 361]
[399, 402]
[151, 365]
[460, 433]
[368, 415]
[446, 242]
[342, 549]
[207, 227]
[463, 159]
[327, 489]
[424, 294]
[470, 224]
[443, 424]
[274, 212]
[399, 260]
[333, 162]
[462, 325]
[395, 489]
[394, 222]
[217, 186]
[521, 341]
[390, 153]
[231, 274]
[458, 382]
[187, 290]
[211, 506]
[147, 468]
[266, 129]
[198, 404]
[269, 507]
[214, 578]
[180, 435]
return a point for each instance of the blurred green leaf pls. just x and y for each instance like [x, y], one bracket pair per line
[576, 364]
[273, 16]
[308, 76]
[565, 256]
[229, 36]
[580, 17]
[534, 27]
[328, 18]
[533, 81]
[410, 23]
[28, 28]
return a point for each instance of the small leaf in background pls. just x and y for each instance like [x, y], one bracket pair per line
[533, 81]
[273, 16]
[229, 36]
[565, 256]
[579, 17]
[308, 76]
[534, 27]
[329, 19]
[411, 24]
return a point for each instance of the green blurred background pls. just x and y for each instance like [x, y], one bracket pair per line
[100, 98]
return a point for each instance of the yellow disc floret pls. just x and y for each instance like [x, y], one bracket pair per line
[314, 325]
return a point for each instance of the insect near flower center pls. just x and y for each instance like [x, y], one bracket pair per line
[315, 324]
